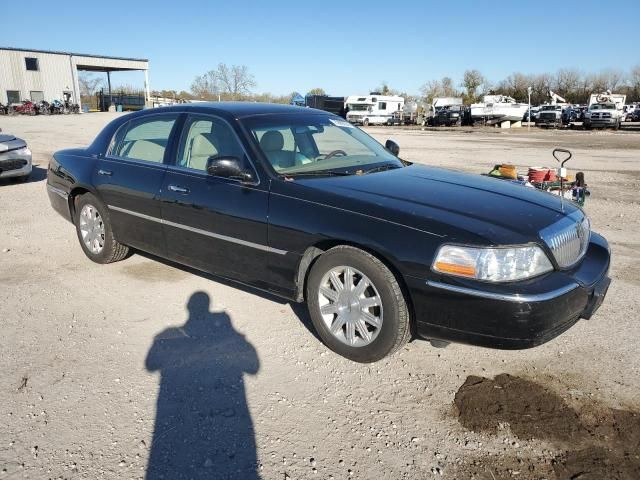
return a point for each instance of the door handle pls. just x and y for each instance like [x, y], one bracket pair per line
[106, 173]
[178, 189]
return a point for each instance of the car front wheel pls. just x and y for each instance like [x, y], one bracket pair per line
[93, 227]
[357, 305]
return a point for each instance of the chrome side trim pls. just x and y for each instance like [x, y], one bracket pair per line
[514, 297]
[218, 236]
[57, 191]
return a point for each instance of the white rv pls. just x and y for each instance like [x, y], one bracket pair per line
[372, 109]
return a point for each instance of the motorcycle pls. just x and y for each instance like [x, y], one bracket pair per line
[26, 108]
[44, 108]
[4, 109]
[57, 107]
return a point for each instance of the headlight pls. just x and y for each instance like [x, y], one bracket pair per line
[499, 264]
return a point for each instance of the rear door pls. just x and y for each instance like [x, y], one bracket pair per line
[129, 177]
[215, 224]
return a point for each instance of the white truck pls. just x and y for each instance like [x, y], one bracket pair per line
[373, 109]
[550, 114]
[606, 110]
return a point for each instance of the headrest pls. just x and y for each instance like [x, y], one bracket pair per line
[204, 143]
[272, 141]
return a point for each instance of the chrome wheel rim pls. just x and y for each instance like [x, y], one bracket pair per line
[350, 306]
[92, 228]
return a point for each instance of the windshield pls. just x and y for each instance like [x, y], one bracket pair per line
[603, 106]
[303, 143]
[547, 108]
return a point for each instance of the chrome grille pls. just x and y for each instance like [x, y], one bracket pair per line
[568, 239]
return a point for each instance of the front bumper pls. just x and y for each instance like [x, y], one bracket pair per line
[15, 163]
[548, 121]
[511, 316]
[601, 122]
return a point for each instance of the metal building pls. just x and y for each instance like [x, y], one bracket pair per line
[47, 75]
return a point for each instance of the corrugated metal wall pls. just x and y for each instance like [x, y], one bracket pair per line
[57, 73]
[52, 78]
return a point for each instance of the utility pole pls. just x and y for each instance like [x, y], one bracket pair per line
[529, 114]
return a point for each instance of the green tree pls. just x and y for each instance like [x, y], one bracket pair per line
[472, 80]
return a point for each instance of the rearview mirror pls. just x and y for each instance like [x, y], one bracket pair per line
[393, 147]
[228, 167]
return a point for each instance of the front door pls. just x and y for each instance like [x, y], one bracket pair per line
[129, 177]
[215, 224]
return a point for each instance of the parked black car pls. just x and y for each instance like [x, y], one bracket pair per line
[448, 116]
[303, 204]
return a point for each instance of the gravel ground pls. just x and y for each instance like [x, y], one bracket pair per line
[143, 368]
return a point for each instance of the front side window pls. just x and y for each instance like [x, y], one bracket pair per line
[144, 138]
[31, 63]
[303, 143]
[205, 137]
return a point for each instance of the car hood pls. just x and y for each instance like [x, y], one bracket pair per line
[441, 201]
[9, 142]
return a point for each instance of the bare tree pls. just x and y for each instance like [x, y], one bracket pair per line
[316, 91]
[614, 78]
[206, 85]
[448, 88]
[89, 83]
[566, 82]
[431, 90]
[235, 80]
[634, 77]
[232, 81]
[540, 86]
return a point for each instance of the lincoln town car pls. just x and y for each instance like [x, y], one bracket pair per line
[304, 205]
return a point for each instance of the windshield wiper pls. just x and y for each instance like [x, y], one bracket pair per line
[381, 168]
[317, 173]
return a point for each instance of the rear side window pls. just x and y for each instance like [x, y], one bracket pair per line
[144, 138]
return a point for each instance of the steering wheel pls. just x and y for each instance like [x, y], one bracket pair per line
[342, 153]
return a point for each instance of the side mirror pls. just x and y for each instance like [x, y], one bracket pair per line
[393, 147]
[228, 167]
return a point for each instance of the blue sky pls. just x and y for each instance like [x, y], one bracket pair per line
[345, 47]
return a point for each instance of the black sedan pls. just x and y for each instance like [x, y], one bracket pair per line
[303, 204]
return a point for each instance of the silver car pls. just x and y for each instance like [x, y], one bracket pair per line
[15, 158]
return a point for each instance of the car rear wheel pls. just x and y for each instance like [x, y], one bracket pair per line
[357, 305]
[93, 227]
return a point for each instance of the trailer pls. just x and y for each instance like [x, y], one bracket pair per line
[373, 109]
[327, 103]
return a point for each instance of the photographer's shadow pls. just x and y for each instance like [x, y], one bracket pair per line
[203, 428]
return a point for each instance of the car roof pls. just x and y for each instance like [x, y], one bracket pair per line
[239, 109]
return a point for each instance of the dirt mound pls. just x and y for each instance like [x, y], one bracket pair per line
[530, 410]
[599, 442]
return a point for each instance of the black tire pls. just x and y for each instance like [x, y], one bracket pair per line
[395, 330]
[112, 250]
[365, 122]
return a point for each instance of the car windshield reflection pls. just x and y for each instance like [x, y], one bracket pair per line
[316, 143]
